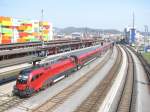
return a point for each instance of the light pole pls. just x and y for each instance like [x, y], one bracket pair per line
[0, 34]
[148, 38]
[145, 35]
[42, 38]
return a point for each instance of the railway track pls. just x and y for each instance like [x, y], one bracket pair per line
[59, 98]
[126, 100]
[8, 76]
[95, 99]
[8, 102]
[143, 61]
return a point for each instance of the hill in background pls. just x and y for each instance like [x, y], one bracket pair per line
[69, 30]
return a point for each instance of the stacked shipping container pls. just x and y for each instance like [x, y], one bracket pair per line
[44, 30]
[20, 30]
[6, 29]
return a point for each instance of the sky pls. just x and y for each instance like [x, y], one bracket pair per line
[102, 14]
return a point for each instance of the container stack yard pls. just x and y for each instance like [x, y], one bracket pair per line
[14, 30]
[6, 29]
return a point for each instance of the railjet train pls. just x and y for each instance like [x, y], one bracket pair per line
[40, 76]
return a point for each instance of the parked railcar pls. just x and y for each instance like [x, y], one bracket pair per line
[40, 76]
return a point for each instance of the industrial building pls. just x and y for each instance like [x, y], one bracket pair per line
[130, 35]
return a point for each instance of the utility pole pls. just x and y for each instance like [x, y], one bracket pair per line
[132, 35]
[145, 35]
[148, 39]
[133, 20]
[0, 34]
[86, 32]
[42, 16]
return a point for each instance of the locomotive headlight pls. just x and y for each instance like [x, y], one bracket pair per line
[25, 77]
[19, 76]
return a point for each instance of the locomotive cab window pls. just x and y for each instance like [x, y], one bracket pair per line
[35, 77]
[23, 76]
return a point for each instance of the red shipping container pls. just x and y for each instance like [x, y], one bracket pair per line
[27, 25]
[4, 41]
[23, 34]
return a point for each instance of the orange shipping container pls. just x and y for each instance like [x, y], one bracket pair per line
[45, 31]
[36, 34]
[22, 27]
[5, 18]
[21, 40]
[1, 19]
[6, 37]
[4, 41]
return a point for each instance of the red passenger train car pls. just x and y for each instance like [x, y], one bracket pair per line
[40, 76]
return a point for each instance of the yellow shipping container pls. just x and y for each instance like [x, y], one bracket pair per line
[45, 35]
[6, 23]
[28, 28]
[45, 39]
[45, 31]
[27, 38]
[44, 23]
[8, 34]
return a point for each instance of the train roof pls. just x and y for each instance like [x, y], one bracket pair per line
[84, 51]
[28, 70]
[58, 59]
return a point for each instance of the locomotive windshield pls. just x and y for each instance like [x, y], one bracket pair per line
[22, 81]
[23, 76]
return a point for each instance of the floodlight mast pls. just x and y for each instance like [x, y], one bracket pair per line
[42, 16]
[133, 20]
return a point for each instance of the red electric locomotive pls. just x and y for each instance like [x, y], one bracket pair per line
[40, 76]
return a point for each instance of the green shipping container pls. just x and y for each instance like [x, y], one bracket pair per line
[34, 39]
[7, 30]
